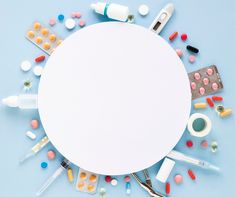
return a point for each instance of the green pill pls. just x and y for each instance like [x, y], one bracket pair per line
[199, 124]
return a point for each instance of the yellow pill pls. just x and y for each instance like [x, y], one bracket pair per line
[37, 26]
[46, 46]
[70, 175]
[31, 34]
[38, 40]
[93, 178]
[80, 185]
[226, 112]
[52, 37]
[90, 188]
[59, 42]
[200, 105]
[45, 32]
[83, 176]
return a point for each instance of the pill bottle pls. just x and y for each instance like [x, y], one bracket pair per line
[112, 11]
[23, 101]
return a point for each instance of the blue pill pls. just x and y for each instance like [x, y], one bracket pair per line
[60, 17]
[44, 165]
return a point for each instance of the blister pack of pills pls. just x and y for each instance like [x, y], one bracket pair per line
[205, 81]
[43, 37]
[87, 181]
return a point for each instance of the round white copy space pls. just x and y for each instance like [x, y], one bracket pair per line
[114, 98]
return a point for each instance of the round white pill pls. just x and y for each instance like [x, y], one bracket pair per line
[25, 66]
[37, 71]
[70, 23]
[31, 135]
[114, 182]
[143, 10]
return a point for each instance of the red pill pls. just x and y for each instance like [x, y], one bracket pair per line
[173, 36]
[217, 98]
[108, 179]
[210, 102]
[189, 143]
[40, 58]
[168, 188]
[184, 37]
[191, 174]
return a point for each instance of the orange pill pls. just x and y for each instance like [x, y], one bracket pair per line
[90, 188]
[52, 37]
[46, 46]
[45, 32]
[38, 40]
[93, 178]
[83, 176]
[31, 34]
[37, 26]
[80, 185]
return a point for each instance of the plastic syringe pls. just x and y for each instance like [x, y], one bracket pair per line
[64, 165]
[35, 149]
[185, 158]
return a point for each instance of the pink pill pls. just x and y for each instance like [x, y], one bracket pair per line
[204, 144]
[202, 90]
[34, 124]
[52, 22]
[214, 86]
[197, 76]
[192, 58]
[127, 179]
[78, 14]
[51, 154]
[206, 81]
[82, 23]
[179, 52]
[193, 85]
[210, 71]
[178, 179]
[73, 14]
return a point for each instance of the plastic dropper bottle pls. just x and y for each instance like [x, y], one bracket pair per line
[112, 11]
[23, 101]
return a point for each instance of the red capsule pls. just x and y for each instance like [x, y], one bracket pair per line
[168, 188]
[189, 143]
[40, 58]
[217, 98]
[210, 102]
[191, 174]
[173, 36]
[108, 179]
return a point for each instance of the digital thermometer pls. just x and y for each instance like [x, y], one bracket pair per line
[162, 18]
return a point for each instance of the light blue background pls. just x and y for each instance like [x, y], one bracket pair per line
[209, 25]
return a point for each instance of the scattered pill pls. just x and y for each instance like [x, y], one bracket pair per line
[204, 144]
[34, 124]
[143, 10]
[70, 23]
[178, 179]
[78, 14]
[226, 112]
[82, 23]
[51, 155]
[193, 85]
[197, 76]
[215, 86]
[210, 71]
[60, 17]
[52, 22]
[191, 175]
[127, 179]
[37, 71]
[108, 179]
[189, 143]
[168, 188]
[102, 192]
[40, 58]
[206, 81]
[192, 49]
[27, 84]
[192, 58]
[70, 175]
[25, 66]
[173, 36]
[214, 147]
[114, 182]
[44, 165]
[219, 108]
[217, 98]
[128, 188]
[210, 102]
[179, 52]
[202, 90]
[184, 37]
[131, 18]
[31, 135]
[199, 105]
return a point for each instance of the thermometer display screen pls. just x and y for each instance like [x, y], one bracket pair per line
[156, 26]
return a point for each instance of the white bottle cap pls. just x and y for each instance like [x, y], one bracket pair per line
[11, 101]
[98, 7]
[165, 170]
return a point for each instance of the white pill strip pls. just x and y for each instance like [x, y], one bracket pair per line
[165, 170]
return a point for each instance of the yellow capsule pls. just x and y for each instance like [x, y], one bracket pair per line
[52, 37]
[70, 175]
[226, 112]
[45, 32]
[46, 46]
[80, 185]
[37, 26]
[31, 34]
[59, 42]
[38, 40]
[90, 188]
[200, 105]
[93, 178]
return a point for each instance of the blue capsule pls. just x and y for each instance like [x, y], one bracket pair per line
[60, 17]
[128, 188]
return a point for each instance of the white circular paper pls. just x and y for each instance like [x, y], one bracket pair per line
[114, 98]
